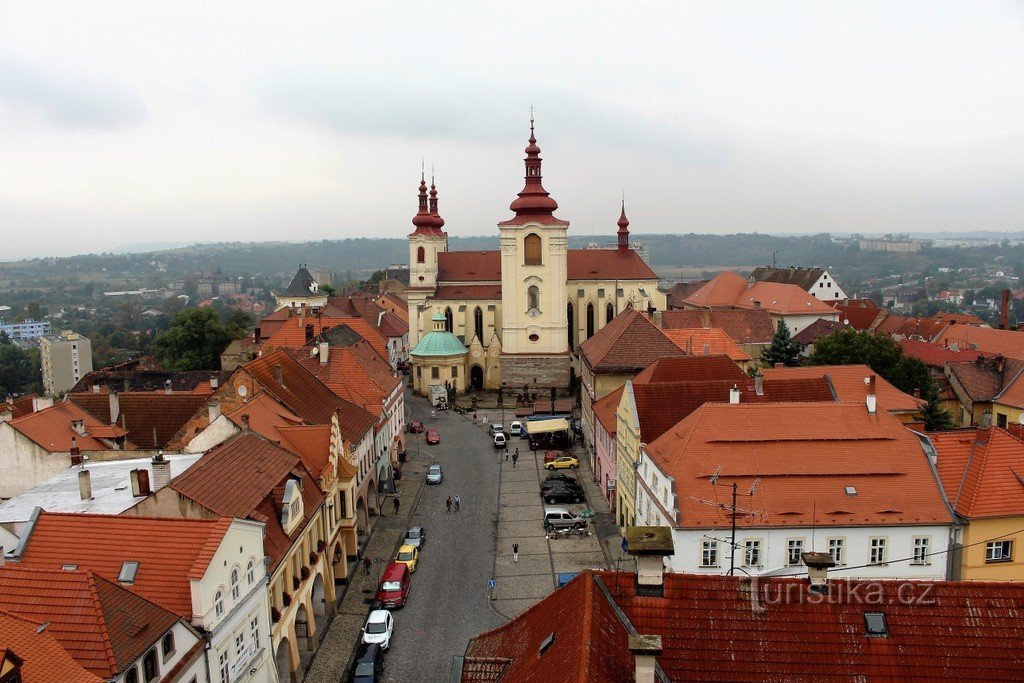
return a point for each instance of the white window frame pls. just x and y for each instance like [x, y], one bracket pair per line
[709, 550]
[921, 550]
[218, 602]
[790, 543]
[879, 544]
[757, 546]
[837, 544]
[1004, 554]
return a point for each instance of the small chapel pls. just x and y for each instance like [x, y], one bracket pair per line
[515, 316]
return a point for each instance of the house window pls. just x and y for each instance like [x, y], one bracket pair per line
[876, 553]
[448, 324]
[421, 255]
[250, 572]
[435, 372]
[167, 645]
[590, 320]
[999, 551]
[920, 550]
[254, 632]
[149, 670]
[709, 554]
[225, 670]
[609, 313]
[455, 371]
[478, 324]
[132, 676]
[218, 603]
[570, 325]
[794, 549]
[239, 644]
[752, 553]
[235, 591]
[836, 548]
[532, 250]
[1000, 421]
[533, 298]
[875, 625]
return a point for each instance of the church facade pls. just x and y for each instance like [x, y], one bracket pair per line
[522, 310]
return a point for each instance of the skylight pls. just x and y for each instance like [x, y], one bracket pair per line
[128, 571]
[69, 567]
[546, 643]
[875, 625]
[851, 490]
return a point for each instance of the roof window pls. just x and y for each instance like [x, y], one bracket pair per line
[875, 625]
[128, 571]
[69, 567]
[851, 490]
[546, 643]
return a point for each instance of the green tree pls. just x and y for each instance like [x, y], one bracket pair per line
[19, 370]
[877, 351]
[328, 290]
[194, 341]
[934, 416]
[782, 349]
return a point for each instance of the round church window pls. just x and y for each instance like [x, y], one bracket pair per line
[534, 337]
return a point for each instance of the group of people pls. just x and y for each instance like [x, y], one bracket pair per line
[456, 501]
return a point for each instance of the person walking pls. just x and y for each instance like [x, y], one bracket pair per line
[367, 564]
[398, 505]
[515, 458]
[506, 455]
[458, 502]
[448, 504]
[515, 552]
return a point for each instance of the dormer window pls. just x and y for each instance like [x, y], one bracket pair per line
[291, 506]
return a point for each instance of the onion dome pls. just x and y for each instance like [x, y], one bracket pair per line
[623, 232]
[438, 221]
[534, 202]
[423, 221]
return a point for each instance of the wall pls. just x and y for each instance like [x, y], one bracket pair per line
[1012, 414]
[604, 461]
[797, 323]
[547, 323]
[627, 449]
[973, 565]
[24, 464]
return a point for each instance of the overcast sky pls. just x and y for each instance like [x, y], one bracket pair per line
[219, 121]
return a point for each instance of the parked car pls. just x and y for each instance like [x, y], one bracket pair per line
[564, 462]
[497, 429]
[415, 536]
[369, 664]
[554, 455]
[394, 585]
[500, 441]
[516, 428]
[435, 474]
[562, 494]
[570, 484]
[560, 518]
[408, 555]
[379, 628]
[433, 437]
[416, 427]
[560, 476]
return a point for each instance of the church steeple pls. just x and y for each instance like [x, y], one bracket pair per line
[533, 203]
[438, 221]
[623, 232]
[423, 221]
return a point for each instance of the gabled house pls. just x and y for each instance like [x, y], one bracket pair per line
[151, 419]
[978, 385]
[853, 384]
[751, 330]
[303, 292]
[815, 281]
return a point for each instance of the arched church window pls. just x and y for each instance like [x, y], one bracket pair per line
[532, 249]
[609, 313]
[571, 325]
[478, 324]
[533, 298]
[590, 320]
[448, 326]
[421, 255]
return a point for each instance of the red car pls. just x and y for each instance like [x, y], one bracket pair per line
[433, 437]
[416, 427]
[551, 456]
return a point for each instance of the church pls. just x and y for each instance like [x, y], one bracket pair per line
[515, 316]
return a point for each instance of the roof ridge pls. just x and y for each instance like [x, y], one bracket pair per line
[588, 618]
[108, 647]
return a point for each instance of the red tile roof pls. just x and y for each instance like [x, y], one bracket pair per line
[627, 344]
[266, 416]
[105, 627]
[607, 264]
[887, 323]
[991, 341]
[985, 378]
[925, 329]
[677, 295]
[468, 266]
[981, 471]
[312, 443]
[467, 292]
[293, 334]
[706, 341]
[960, 319]
[298, 390]
[355, 373]
[151, 418]
[170, 552]
[605, 409]
[742, 326]
[860, 314]
[711, 630]
[850, 387]
[50, 428]
[43, 659]
[729, 289]
[690, 369]
[935, 355]
[841, 445]
[22, 406]
[819, 328]
[1013, 393]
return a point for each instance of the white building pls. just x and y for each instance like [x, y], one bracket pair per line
[815, 281]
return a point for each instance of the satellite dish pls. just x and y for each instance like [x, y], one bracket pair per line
[846, 321]
[242, 391]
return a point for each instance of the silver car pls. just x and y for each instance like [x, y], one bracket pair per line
[435, 474]
[415, 537]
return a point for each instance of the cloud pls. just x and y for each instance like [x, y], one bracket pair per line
[69, 103]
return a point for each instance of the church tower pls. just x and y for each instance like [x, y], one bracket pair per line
[533, 281]
[425, 243]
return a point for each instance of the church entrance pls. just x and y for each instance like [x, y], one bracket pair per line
[476, 377]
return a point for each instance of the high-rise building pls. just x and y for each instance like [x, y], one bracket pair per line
[66, 358]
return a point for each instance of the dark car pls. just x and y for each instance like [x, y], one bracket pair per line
[562, 494]
[369, 664]
[570, 484]
[560, 476]
[416, 427]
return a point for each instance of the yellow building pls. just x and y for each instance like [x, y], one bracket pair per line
[627, 450]
[522, 309]
[978, 469]
[1008, 405]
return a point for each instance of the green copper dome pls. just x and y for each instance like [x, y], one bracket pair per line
[439, 344]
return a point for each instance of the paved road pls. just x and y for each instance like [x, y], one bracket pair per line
[449, 601]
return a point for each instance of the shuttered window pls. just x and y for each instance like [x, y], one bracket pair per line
[532, 249]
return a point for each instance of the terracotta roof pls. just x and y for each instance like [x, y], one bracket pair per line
[627, 344]
[105, 627]
[43, 659]
[245, 478]
[394, 304]
[981, 471]
[689, 369]
[985, 378]
[312, 443]
[925, 329]
[706, 341]
[116, 378]
[605, 408]
[170, 552]
[469, 266]
[840, 445]
[392, 325]
[266, 416]
[22, 406]
[887, 323]
[293, 334]
[860, 313]
[849, 385]
[298, 390]
[355, 373]
[1013, 393]
[467, 292]
[742, 326]
[1008, 343]
[960, 319]
[729, 289]
[50, 428]
[607, 264]
[709, 631]
[151, 418]
[935, 355]
[819, 328]
[678, 293]
[804, 278]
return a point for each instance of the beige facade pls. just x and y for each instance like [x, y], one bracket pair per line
[65, 359]
[627, 453]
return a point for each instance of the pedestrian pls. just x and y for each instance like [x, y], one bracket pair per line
[398, 504]
[433, 414]
[367, 564]
[515, 552]
[448, 503]
[515, 458]
[506, 455]
[458, 502]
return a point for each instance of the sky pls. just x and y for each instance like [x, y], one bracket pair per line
[143, 122]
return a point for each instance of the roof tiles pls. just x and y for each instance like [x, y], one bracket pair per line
[742, 326]
[43, 658]
[849, 382]
[706, 341]
[627, 344]
[51, 429]
[151, 418]
[981, 471]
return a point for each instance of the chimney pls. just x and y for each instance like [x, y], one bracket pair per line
[645, 648]
[278, 375]
[650, 545]
[245, 422]
[871, 399]
[84, 485]
[734, 394]
[95, 388]
[309, 333]
[325, 350]
[214, 383]
[759, 383]
[778, 365]
[167, 386]
[78, 426]
[1004, 311]
[818, 565]
[140, 483]
[757, 304]
[214, 411]
[705, 317]
[161, 471]
[115, 407]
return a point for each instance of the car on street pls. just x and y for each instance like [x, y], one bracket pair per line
[554, 455]
[496, 429]
[379, 628]
[416, 427]
[562, 494]
[560, 476]
[394, 586]
[435, 474]
[408, 555]
[415, 536]
[570, 484]
[560, 518]
[369, 664]
[500, 441]
[566, 461]
[433, 437]
[516, 428]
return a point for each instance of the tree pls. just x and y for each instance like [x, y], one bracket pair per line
[328, 290]
[19, 370]
[877, 351]
[782, 349]
[194, 341]
[934, 416]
